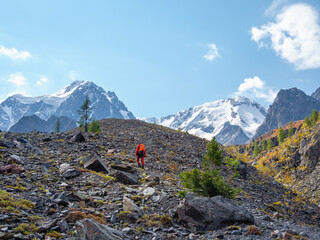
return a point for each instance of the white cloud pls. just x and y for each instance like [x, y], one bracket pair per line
[256, 88]
[43, 80]
[18, 79]
[274, 6]
[212, 53]
[294, 36]
[14, 54]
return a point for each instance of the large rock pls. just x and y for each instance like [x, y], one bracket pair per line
[126, 177]
[95, 163]
[204, 214]
[67, 171]
[78, 138]
[88, 229]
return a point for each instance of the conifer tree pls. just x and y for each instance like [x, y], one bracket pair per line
[264, 144]
[256, 149]
[57, 130]
[314, 116]
[307, 121]
[269, 144]
[281, 135]
[213, 154]
[84, 113]
[290, 131]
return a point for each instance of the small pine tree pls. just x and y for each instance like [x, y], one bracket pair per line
[57, 130]
[264, 144]
[281, 135]
[256, 149]
[314, 116]
[290, 131]
[269, 144]
[307, 121]
[84, 113]
[213, 154]
[94, 127]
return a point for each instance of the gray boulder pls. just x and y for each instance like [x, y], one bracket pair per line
[126, 177]
[95, 163]
[88, 229]
[205, 214]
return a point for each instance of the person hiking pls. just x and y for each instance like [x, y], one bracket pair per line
[140, 153]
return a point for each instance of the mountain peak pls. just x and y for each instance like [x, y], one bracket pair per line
[65, 102]
[290, 105]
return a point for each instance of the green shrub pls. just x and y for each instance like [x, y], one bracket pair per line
[94, 127]
[182, 194]
[207, 183]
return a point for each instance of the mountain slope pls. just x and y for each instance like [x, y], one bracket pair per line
[290, 105]
[65, 102]
[209, 119]
[62, 193]
[31, 123]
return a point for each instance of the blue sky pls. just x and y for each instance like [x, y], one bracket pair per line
[161, 57]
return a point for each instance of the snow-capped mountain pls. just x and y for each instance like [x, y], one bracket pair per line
[231, 121]
[66, 102]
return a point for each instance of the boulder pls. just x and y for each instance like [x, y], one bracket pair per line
[205, 214]
[95, 163]
[67, 171]
[78, 138]
[126, 177]
[88, 229]
[61, 198]
[15, 159]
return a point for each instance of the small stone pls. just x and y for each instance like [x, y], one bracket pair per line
[275, 234]
[148, 191]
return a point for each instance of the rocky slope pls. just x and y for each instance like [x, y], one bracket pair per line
[289, 105]
[66, 102]
[59, 192]
[28, 124]
[295, 162]
[219, 118]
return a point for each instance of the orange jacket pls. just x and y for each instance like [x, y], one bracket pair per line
[141, 147]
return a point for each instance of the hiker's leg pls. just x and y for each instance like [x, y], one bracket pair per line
[138, 160]
[142, 161]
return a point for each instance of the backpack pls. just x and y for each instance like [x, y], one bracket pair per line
[141, 149]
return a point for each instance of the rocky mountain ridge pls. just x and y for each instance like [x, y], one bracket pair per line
[88, 186]
[66, 102]
[289, 105]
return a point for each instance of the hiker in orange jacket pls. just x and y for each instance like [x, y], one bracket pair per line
[140, 153]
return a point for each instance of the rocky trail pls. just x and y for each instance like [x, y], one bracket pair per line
[73, 186]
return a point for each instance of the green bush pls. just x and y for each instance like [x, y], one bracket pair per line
[94, 127]
[207, 183]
